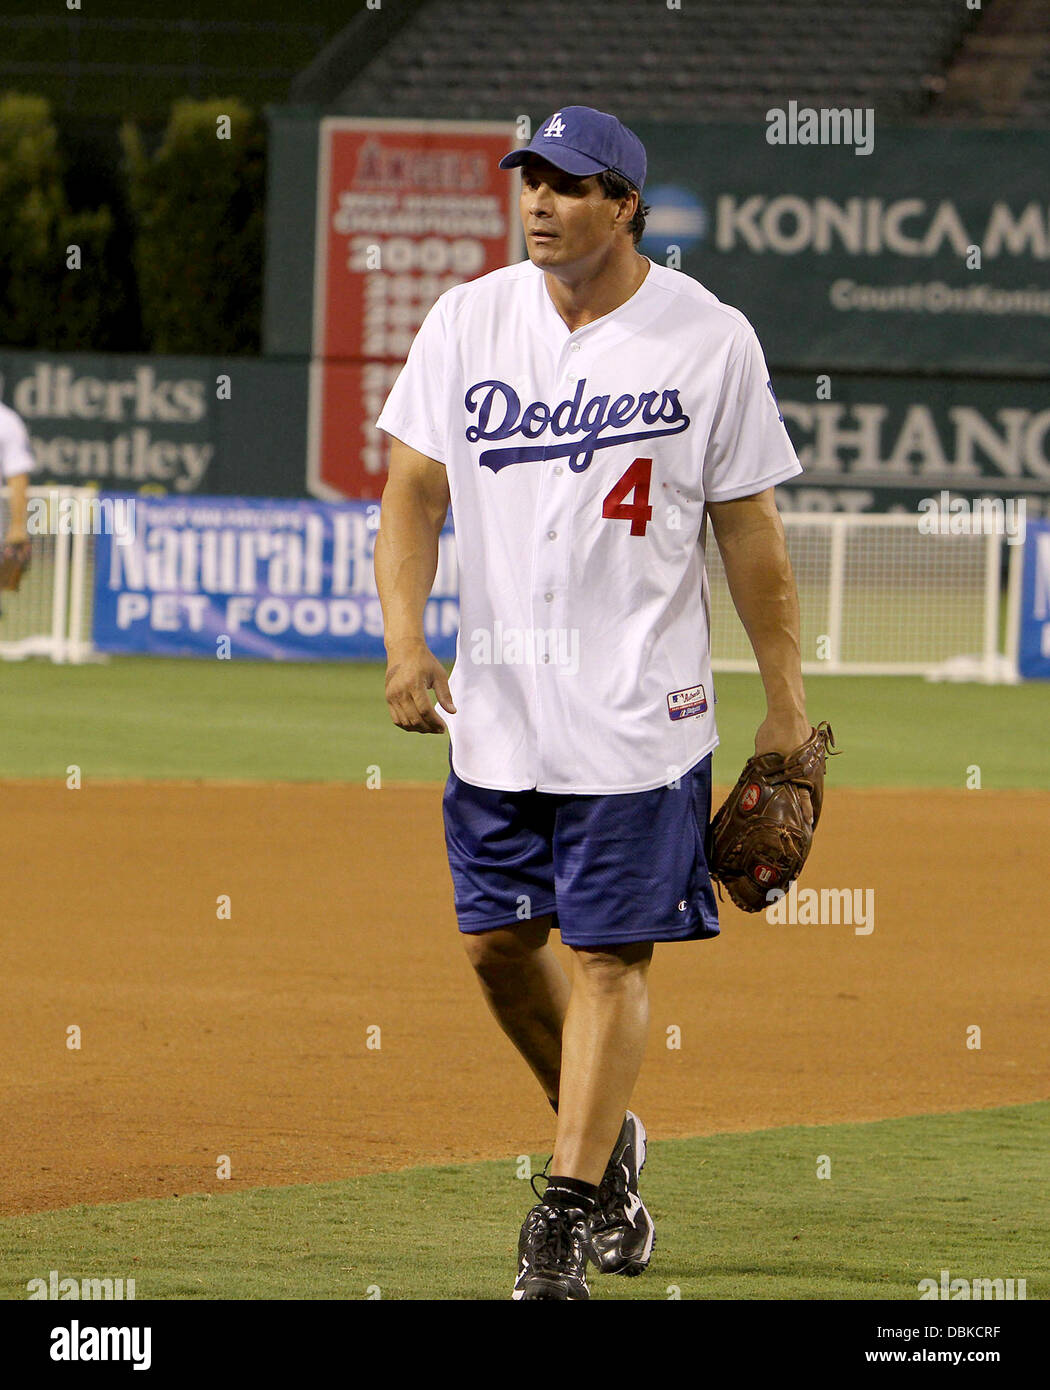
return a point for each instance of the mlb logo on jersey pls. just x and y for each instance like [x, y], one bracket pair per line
[683, 704]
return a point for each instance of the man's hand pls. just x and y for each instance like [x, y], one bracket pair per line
[783, 733]
[15, 556]
[412, 671]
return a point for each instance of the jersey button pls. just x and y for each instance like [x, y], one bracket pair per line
[552, 535]
[549, 598]
[575, 347]
[558, 468]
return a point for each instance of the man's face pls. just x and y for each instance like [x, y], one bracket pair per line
[567, 219]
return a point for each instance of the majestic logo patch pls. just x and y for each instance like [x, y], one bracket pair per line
[749, 800]
[683, 704]
[586, 425]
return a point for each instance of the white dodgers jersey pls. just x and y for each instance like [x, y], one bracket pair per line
[15, 454]
[578, 467]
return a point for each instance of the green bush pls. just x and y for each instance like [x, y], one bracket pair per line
[198, 203]
[43, 303]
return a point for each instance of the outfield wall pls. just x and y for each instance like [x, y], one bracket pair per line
[293, 580]
[288, 579]
[200, 425]
[855, 256]
[161, 424]
[900, 295]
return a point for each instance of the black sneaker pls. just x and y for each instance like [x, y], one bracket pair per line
[552, 1254]
[622, 1233]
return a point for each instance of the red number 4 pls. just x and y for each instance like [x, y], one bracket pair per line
[638, 513]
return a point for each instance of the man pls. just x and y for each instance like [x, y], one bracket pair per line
[16, 464]
[583, 411]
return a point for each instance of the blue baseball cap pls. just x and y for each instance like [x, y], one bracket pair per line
[583, 141]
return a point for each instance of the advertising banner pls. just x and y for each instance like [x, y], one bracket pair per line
[228, 578]
[855, 244]
[161, 424]
[884, 443]
[158, 426]
[1033, 657]
[406, 210]
[293, 580]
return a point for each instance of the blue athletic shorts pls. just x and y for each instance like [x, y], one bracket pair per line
[613, 869]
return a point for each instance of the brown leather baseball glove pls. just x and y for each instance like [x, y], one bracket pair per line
[14, 561]
[761, 836]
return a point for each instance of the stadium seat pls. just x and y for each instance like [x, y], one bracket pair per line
[645, 60]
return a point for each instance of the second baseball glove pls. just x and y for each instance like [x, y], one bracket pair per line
[760, 837]
[14, 561]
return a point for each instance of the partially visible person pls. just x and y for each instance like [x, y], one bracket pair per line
[16, 464]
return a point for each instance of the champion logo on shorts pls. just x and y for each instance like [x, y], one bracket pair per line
[683, 704]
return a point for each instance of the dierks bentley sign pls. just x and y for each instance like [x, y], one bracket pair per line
[406, 210]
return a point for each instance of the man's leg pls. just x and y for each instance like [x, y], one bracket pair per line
[591, 1209]
[527, 991]
[584, 1046]
[602, 1045]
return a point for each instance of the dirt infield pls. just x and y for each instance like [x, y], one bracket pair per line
[247, 1036]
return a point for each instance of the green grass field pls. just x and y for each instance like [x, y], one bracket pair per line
[739, 1216]
[140, 717]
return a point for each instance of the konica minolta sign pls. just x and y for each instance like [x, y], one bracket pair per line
[930, 252]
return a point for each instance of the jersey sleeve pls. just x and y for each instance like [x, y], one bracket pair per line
[15, 453]
[748, 449]
[416, 410]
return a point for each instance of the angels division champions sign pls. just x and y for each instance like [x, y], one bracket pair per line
[406, 210]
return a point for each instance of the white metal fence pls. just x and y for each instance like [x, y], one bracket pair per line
[877, 596]
[50, 615]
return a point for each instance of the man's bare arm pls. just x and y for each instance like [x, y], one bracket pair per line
[415, 504]
[17, 508]
[750, 538]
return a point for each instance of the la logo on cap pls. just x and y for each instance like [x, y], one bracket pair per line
[589, 142]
